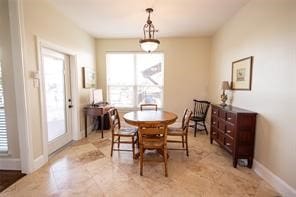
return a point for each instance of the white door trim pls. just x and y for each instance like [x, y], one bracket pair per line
[74, 90]
[18, 54]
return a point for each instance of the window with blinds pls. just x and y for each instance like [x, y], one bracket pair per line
[3, 130]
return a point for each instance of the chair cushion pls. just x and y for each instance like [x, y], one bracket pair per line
[176, 125]
[197, 118]
[128, 131]
[176, 131]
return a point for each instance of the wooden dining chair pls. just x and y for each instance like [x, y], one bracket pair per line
[119, 132]
[199, 115]
[148, 106]
[180, 130]
[153, 136]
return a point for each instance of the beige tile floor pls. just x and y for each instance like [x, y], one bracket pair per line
[85, 168]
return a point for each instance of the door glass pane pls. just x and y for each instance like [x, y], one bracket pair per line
[55, 96]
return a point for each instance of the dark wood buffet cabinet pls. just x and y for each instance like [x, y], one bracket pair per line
[233, 129]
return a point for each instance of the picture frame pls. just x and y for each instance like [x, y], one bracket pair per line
[241, 77]
[88, 78]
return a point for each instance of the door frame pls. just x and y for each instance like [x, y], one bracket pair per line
[18, 45]
[75, 116]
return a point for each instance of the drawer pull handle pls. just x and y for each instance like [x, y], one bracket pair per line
[229, 118]
[214, 122]
[228, 131]
[228, 144]
[215, 112]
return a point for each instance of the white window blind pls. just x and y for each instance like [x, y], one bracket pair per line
[135, 78]
[3, 130]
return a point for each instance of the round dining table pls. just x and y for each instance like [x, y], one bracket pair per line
[150, 116]
[137, 118]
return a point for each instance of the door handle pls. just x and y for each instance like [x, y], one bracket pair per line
[70, 106]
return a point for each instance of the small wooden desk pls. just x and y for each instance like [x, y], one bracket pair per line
[95, 110]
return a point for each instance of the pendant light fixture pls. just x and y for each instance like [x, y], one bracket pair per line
[149, 43]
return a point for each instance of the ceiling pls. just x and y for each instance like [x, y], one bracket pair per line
[125, 18]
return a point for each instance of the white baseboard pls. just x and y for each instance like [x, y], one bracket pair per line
[10, 164]
[39, 162]
[280, 185]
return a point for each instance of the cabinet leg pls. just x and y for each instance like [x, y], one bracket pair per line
[234, 162]
[211, 140]
[85, 125]
[250, 162]
[102, 125]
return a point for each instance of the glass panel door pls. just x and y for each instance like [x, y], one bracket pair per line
[57, 96]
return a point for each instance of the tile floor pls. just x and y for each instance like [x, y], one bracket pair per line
[85, 168]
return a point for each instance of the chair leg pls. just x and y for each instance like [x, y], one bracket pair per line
[195, 128]
[112, 144]
[141, 159]
[205, 127]
[133, 147]
[165, 156]
[186, 143]
[118, 142]
[138, 143]
[182, 141]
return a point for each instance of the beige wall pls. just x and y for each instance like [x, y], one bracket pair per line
[185, 67]
[265, 29]
[7, 72]
[43, 20]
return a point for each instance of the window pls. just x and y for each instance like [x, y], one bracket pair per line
[3, 130]
[134, 79]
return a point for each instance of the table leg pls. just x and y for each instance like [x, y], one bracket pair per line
[85, 125]
[102, 125]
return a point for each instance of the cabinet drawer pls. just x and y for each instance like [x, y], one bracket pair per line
[214, 133]
[221, 125]
[222, 114]
[230, 117]
[228, 144]
[229, 130]
[214, 122]
[215, 111]
[220, 138]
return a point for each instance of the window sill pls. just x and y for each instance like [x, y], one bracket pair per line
[4, 154]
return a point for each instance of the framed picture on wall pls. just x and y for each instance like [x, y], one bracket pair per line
[88, 78]
[241, 78]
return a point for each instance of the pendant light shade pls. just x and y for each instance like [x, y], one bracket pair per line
[149, 43]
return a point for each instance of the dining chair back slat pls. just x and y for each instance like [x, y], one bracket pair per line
[153, 136]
